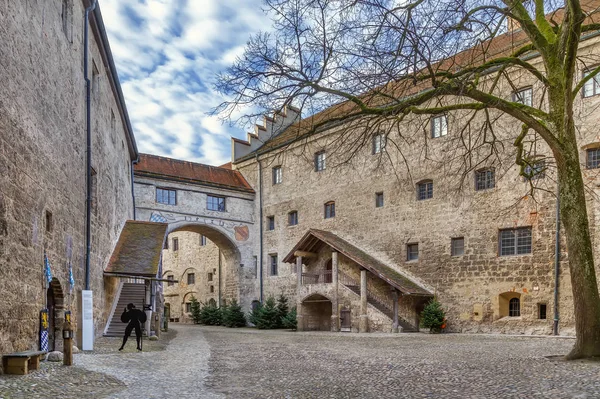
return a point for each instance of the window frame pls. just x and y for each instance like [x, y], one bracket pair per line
[515, 246]
[210, 203]
[329, 210]
[193, 278]
[530, 170]
[427, 191]
[378, 143]
[273, 265]
[379, 204]
[171, 280]
[277, 175]
[545, 313]
[516, 95]
[270, 223]
[453, 247]
[595, 82]
[442, 126]
[409, 247]
[168, 191]
[188, 307]
[294, 218]
[175, 245]
[486, 181]
[320, 164]
[209, 276]
[596, 161]
[514, 311]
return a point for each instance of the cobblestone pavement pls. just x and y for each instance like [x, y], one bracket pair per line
[278, 364]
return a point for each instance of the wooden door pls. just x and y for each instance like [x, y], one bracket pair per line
[345, 320]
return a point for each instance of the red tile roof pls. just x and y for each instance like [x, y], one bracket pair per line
[138, 250]
[178, 170]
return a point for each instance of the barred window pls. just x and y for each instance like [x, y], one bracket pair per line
[273, 264]
[293, 218]
[330, 210]
[485, 179]
[425, 190]
[515, 241]
[439, 126]
[457, 246]
[378, 143]
[412, 251]
[215, 203]
[320, 161]
[167, 197]
[524, 96]
[514, 307]
[592, 86]
[271, 223]
[277, 175]
[378, 200]
[593, 158]
[191, 278]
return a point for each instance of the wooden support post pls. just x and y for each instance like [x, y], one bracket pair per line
[299, 315]
[395, 307]
[364, 320]
[335, 309]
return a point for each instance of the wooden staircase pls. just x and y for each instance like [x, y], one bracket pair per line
[130, 293]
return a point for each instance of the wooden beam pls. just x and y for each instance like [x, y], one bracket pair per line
[305, 254]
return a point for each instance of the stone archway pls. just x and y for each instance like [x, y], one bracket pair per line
[316, 313]
[55, 303]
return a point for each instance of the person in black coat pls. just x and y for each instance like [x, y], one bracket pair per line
[135, 318]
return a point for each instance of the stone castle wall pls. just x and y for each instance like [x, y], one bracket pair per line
[43, 170]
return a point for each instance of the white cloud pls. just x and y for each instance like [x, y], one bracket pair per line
[168, 54]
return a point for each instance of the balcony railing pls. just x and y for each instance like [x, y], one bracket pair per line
[324, 277]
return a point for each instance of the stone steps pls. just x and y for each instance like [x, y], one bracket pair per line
[130, 293]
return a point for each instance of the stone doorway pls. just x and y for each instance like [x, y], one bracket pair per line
[317, 312]
[56, 310]
[345, 320]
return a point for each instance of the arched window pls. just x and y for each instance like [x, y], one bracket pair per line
[514, 307]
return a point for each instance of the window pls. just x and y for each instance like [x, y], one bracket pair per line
[535, 170]
[542, 311]
[273, 264]
[412, 252]
[593, 158]
[293, 218]
[167, 197]
[212, 289]
[48, 222]
[378, 143]
[425, 190]
[378, 200]
[524, 96]
[592, 86]
[166, 244]
[191, 278]
[188, 307]
[67, 19]
[485, 179]
[514, 307]
[277, 176]
[215, 203]
[330, 210]
[202, 240]
[439, 126]
[457, 246]
[171, 281]
[209, 277]
[320, 158]
[515, 241]
[175, 244]
[270, 223]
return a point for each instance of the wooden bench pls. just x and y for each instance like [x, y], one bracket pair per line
[21, 362]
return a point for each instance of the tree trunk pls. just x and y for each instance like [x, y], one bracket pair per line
[574, 216]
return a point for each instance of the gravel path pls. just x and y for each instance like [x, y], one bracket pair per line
[279, 364]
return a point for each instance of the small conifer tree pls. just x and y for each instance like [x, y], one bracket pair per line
[433, 316]
[195, 310]
[210, 315]
[289, 321]
[268, 317]
[233, 316]
[282, 309]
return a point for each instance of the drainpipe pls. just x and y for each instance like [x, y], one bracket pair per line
[133, 162]
[219, 277]
[88, 126]
[556, 261]
[260, 204]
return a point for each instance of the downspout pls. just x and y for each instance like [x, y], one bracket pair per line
[219, 297]
[556, 261]
[260, 204]
[88, 126]
[133, 162]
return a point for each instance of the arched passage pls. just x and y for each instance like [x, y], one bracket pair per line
[316, 311]
[55, 303]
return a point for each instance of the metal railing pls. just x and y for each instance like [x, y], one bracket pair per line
[324, 277]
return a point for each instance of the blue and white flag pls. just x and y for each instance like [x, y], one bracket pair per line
[157, 218]
[71, 279]
[47, 270]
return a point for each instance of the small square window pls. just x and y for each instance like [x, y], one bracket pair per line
[167, 197]
[412, 252]
[524, 96]
[593, 158]
[188, 307]
[49, 222]
[542, 308]
[171, 281]
[378, 200]
[191, 278]
[320, 161]
[202, 240]
[457, 246]
[215, 203]
[515, 241]
[439, 126]
[330, 210]
[273, 264]
[270, 223]
[212, 289]
[277, 175]
[485, 179]
[378, 143]
[592, 86]
[175, 244]
[425, 190]
[293, 218]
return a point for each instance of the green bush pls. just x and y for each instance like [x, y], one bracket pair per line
[282, 309]
[289, 321]
[196, 310]
[433, 316]
[268, 316]
[211, 315]
[233, 316]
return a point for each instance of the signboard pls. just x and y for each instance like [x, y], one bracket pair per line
[87, 322]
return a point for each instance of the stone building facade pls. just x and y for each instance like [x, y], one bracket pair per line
[43, 165]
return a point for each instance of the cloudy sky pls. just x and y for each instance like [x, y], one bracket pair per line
[167, 54]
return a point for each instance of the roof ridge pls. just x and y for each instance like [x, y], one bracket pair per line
[186, 161]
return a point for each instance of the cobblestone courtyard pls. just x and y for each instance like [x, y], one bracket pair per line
[214, 362]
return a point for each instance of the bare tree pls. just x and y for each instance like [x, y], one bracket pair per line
[380, 62]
